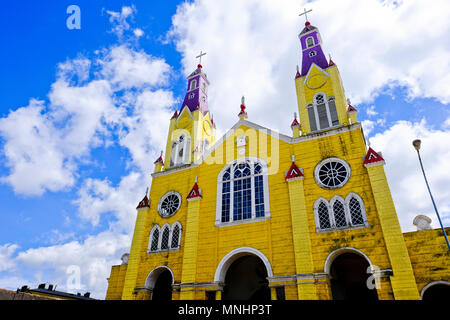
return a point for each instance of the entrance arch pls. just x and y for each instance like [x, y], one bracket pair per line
[436, 290]
[244, 272]
[347, 270]
[160, 281]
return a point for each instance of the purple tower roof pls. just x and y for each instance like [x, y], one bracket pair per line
[197, 91]
[311, 43]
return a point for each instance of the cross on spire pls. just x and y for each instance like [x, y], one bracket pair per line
[305, 13]
[200, 56]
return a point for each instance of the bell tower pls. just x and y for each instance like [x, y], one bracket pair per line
[321, 98]
[192, 130]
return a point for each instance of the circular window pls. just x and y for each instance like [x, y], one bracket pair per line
[332, 173]
[169, 204]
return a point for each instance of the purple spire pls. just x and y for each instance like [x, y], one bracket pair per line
[311, 43]
[197, 91]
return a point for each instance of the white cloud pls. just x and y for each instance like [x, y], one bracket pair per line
[405, 176]
[371, 111]
[138, 32]
[6, 260]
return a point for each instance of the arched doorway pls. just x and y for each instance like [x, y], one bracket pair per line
[160, 281]
[243, 273]
[439, 290]
[348, 277]
[246, 279]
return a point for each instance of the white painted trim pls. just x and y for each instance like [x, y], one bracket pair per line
[333, 255]
[309, 71]
[431, 284]
[153, 276]
[233, 255]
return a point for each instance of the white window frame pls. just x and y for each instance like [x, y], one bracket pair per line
[325, 161]
[161, 230]
[348, 219]
[164, 196]
[185, 145]
[176, 223]
[361, 204]
[156, 227]
[327, 108]
[313, 42]
[193, 85]
[252, 161]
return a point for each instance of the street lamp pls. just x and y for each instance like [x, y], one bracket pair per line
[416, 143]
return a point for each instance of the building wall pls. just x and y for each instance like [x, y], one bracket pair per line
[429, 255]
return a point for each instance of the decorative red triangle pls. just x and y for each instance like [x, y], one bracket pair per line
[175, 115]
[159, 160]
[295, 123]
[297, 75]
[144, 203]
[351, 108]
[331, 63]
[372, 157]
[294, 172]
[194, 193]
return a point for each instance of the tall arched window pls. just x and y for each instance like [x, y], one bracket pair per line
[242, 191]
[340, 219]
[180, 150]
[193, 84]
[154, 239]
[322, 113]
[176, 236]
[356, 209]
[165, 235]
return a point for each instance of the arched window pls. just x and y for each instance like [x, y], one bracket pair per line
[176, 236]
[193, 84]
[154, 239]
[242, 193]
[180, 151]
[340, 219]
[340, 213]
[309, 42]
[322, 214]
[165, 238]
[356, 210]
[322, 113]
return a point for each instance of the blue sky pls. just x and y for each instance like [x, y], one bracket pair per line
[84, 190]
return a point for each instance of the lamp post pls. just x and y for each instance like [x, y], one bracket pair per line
[416, 143]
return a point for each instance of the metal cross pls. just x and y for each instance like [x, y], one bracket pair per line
[200, 56]
[305, 13]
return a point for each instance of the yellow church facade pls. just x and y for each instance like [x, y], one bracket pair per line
[260, 215]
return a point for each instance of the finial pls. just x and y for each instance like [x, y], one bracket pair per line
[146, 191]
[295, 115]
[348, 101]
[243, 114]
[196, 179]
[293, 158]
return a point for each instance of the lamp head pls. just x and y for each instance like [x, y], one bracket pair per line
[416, 144]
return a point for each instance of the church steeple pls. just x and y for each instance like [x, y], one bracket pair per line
[311, 43]
[192, 129]
[322, 104]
